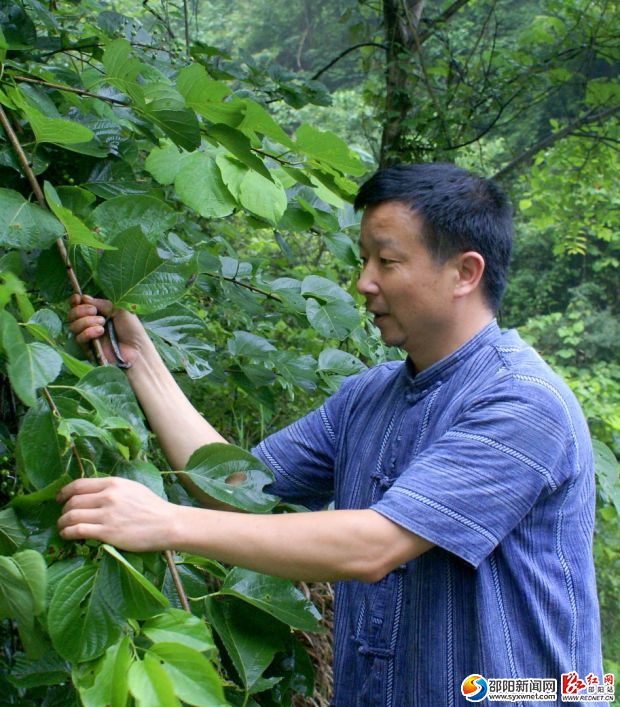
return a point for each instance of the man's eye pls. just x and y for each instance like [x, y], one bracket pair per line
[385, 261]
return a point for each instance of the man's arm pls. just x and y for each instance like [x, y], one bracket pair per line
[179, 427]
[317, 546]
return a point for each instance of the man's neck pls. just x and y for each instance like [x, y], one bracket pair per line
[424, 354]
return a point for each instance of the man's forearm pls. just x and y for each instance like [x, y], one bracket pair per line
[317, 546]
[179, 427]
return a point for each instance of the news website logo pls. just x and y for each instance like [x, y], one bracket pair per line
[588, 689]
[474, 688]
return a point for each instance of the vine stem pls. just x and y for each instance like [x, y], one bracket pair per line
[75, 285]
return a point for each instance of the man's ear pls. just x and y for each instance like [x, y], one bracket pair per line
[469, 268]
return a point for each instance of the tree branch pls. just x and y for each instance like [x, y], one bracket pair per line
[70, 89]
[36, 188]
[588, 118]
[445, 15]
[343, 54]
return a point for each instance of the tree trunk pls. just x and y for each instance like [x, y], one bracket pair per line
[401, 19]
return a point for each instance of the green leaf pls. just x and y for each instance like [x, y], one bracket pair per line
[77, 231]
[24, 225]
[339, 362]
[33, 367]
[194, 679]
[262, 197]
[23, 580]
[58, 131]
[199, 185]
[198, 89]
[335, 319]
[12, 534]
[177, 626]
[175, 331]
[164, 163]
[50, 669]
[244, 343]
[327, 147]
[84, 613]
[105, 684]
[181, 126]
[109, 391]
[257, 120]
[238, 145]
[251, 637]
[121, 68]
[210, 466]
[141, 599]
[144, 473]
[150, 683]
[138, 278]
[152, 215]
[37, 432]
[274, 595]
[232, 172]
[607, 471]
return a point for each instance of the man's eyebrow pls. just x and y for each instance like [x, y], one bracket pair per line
[380, 242]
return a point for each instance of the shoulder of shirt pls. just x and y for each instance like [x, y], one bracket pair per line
[524, 372]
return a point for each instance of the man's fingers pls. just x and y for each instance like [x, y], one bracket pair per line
[84, 486]
[84, 500]
[82, 531]
[90, 516]
[78, 325]
[103, 305]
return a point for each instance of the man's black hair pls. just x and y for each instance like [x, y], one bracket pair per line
[460, 212]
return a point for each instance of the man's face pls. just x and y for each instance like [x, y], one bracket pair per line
[407, 291]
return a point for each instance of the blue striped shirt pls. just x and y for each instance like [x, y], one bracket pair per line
[487, 455]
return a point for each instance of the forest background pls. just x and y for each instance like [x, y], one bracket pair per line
[129, 114]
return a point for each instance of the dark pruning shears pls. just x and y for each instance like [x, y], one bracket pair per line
[111, 332]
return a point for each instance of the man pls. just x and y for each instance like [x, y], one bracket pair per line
[462, 478]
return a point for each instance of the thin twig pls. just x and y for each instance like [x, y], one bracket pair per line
[74, 450]
[71, 89]
[186, 27]
[252, 288]
[340, 56]
[551, 139]
[174, 573]
[36, 188]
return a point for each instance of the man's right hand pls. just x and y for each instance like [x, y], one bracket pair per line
[87, 316]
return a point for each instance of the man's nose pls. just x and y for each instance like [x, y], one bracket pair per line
[366, 282]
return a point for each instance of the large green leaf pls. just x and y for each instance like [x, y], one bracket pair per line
[274, 595]
[58, 131]
[327, 147]
[244, 343]
[108, 390]
[105, 684]
[199, 185]
[144, 473]
[49, 669]
[181, 126]
[84, 614]
[177, 626]
[164, 163]
[150, 683]
[251, 637]
[30, 366]
[195, 85]
[210, 466]
[175, 331]
[262, 197]
[141, 599]
[152, 215]
[77, 231]
[12, 534]
[38, 432]
[238, 145]
[607, 471]
[138, 278]
[24, 225]
[334, 319]
[194, 679]
[23, 580]
[232, 172]
[257, 120]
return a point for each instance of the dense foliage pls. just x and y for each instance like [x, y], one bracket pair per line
[191, 167]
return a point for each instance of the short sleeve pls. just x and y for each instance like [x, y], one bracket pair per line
[471, 487]
[302, 455]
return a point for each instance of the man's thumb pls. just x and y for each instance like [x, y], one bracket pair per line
[104, 306]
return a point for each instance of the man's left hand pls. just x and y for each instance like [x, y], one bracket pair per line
[118, 511]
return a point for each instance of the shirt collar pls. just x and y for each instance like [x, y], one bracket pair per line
[434, 374]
